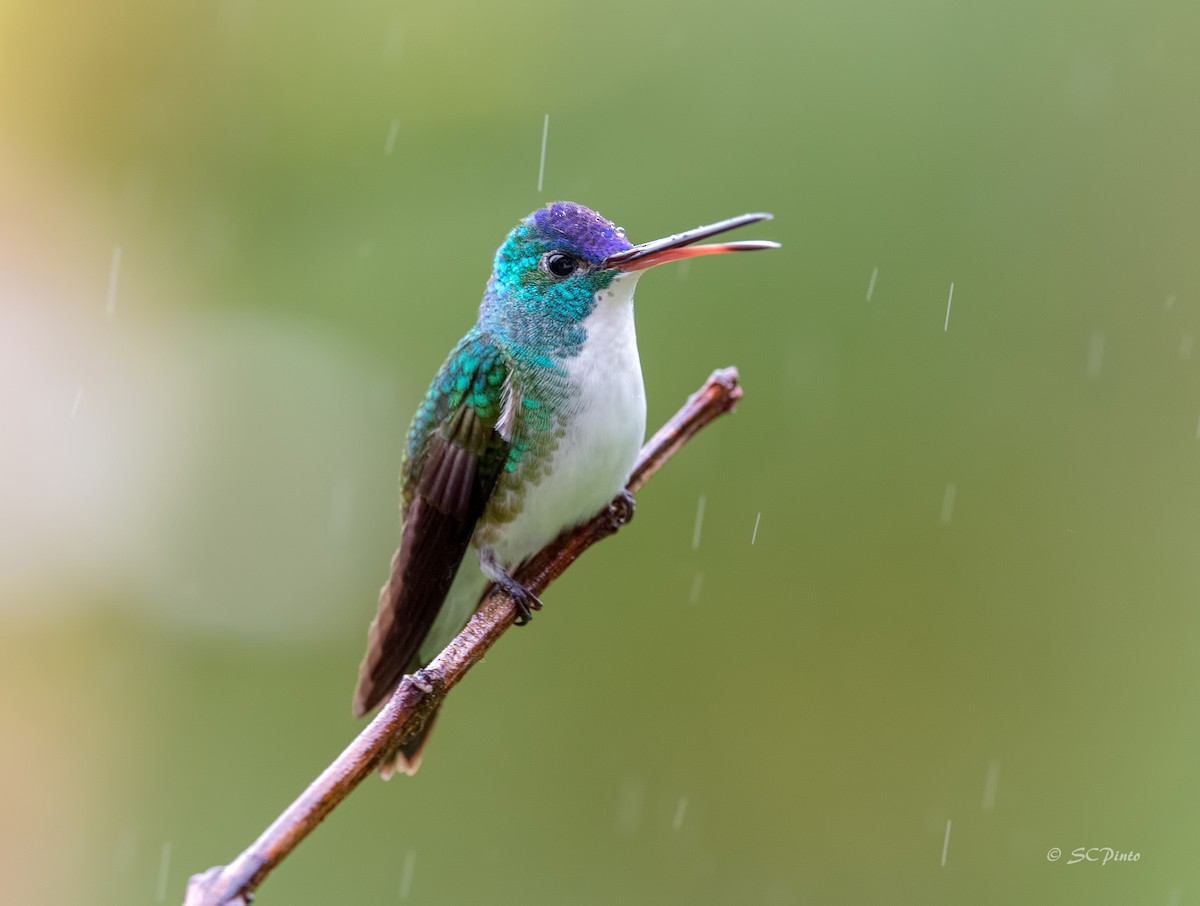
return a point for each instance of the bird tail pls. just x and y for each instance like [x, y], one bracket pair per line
[408, 757]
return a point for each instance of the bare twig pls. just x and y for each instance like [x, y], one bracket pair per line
[419, 694]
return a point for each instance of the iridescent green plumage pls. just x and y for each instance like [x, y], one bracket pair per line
[455, 454]
[531, 425]
[485, 436]
[473, 375]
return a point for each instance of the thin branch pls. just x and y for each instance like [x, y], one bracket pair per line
[419, 694]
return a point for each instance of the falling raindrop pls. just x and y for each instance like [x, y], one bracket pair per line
[390, 143]
[406, 873]
[542, 164]
[680, 811]
[164, 869]
[114, 272]
[698, 525]
[948, 503]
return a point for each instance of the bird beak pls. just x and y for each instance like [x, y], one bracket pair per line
[679, 246]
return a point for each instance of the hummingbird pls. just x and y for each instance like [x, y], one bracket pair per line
[530, 427]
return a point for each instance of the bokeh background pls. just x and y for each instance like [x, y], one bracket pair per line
[946, 571]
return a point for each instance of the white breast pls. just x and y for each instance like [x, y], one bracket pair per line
[603, 431]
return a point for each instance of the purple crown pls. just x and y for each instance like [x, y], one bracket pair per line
[580, 229]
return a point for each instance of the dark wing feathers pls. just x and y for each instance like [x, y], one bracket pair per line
[422, 571]
[448, 480]
[453, 476]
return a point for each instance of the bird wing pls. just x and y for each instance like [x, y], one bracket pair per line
[455, 453]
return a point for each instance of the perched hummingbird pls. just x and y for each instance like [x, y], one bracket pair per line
[530, 427]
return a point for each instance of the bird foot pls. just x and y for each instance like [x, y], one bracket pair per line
[525, 608]
[524, 601]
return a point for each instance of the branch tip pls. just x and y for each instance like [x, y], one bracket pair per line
[419, 694]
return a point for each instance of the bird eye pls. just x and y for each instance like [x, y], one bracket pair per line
[559, 264]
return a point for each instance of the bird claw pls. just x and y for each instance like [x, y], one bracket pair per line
[525, 603]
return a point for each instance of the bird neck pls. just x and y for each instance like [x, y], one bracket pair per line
[547, 325]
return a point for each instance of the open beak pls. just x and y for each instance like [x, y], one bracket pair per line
[679, 246]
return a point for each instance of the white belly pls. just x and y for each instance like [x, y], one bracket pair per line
[603, 431]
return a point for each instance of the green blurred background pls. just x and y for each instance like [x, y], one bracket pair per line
[236, 239]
